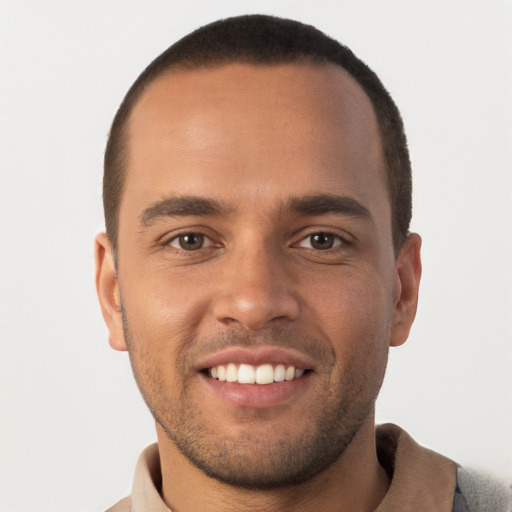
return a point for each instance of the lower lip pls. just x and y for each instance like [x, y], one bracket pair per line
[257, 396]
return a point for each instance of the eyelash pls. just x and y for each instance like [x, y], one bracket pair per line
[338, 241]
[166, 243]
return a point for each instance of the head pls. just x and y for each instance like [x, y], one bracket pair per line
[265, 40]
[249, 190]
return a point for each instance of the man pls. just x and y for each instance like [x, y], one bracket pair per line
[257, 265]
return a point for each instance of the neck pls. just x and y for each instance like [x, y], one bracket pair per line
[354, 482]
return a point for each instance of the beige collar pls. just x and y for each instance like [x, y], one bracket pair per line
[422, 480]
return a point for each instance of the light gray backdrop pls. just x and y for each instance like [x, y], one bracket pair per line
[71, 421]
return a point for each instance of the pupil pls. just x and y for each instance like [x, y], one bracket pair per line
[322, 241]
[191, 241]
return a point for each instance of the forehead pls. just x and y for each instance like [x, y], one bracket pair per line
[250, 127]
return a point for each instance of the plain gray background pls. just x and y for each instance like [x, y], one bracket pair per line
[72, 423]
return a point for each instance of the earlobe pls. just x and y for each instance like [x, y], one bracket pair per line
[408, 275]
[107, 287]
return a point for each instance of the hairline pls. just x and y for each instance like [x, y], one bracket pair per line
[142, 84]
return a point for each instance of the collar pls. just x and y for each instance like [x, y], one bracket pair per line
[421, 480]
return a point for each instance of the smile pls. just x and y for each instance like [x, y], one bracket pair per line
[261, 375]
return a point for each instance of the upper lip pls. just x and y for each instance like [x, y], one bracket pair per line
[257, 356]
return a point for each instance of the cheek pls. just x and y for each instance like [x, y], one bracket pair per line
[356, 316]
[161, 319]
[169, 305]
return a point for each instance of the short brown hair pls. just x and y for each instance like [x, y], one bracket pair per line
[259, 39]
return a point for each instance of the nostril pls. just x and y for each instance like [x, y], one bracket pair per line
[255, 310]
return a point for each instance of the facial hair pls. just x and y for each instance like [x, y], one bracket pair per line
[248, 457]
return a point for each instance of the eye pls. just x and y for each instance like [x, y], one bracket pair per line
[190, 241]
[321, 241]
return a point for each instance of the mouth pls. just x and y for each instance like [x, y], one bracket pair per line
[256, 377]
[261, 375]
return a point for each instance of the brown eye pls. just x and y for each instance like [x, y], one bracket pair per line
[322, 241]
[189, 241]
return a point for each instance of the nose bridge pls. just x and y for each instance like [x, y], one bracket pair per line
[256, 286]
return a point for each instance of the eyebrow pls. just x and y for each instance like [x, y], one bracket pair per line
[319, 204]
[323, 204]
[180, 206]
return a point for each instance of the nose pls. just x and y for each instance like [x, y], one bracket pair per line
[256, 290]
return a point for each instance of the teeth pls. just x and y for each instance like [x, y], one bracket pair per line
[231, 373]
[264, 374]
[279, 373]
[248, 374]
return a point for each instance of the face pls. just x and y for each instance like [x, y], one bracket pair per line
[257, 289]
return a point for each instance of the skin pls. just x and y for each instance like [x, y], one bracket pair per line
[253, 139]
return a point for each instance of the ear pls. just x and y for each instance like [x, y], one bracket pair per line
[107, 287]
[408, 274]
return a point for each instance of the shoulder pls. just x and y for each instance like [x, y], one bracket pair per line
[477, 491]
[125, 505]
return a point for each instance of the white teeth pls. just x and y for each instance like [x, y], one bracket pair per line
[264, 374]
[248, 374]
[290, 373]
[279, 373]
[231, 373]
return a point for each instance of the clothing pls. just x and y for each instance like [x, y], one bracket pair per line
[421, 481]
[477, 491]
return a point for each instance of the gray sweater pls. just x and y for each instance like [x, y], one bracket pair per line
[478, 492]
